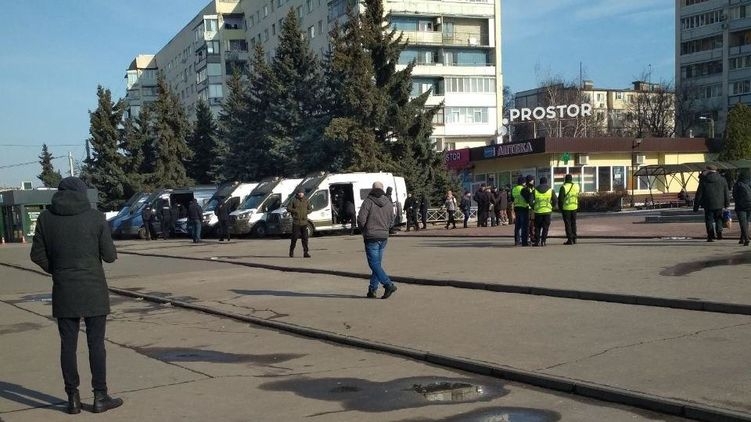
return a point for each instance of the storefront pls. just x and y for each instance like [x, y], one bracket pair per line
[19, 210]
[597, 164]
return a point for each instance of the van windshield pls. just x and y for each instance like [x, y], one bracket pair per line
[253, 200]
[308, 185]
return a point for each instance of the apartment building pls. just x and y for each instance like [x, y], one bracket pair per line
[609, 109]
[712, 60]
[455, 43]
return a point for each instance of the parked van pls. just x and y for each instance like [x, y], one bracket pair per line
[328, 194]
[233, 194]
[250, 216]
[130, 206]
[132, 225]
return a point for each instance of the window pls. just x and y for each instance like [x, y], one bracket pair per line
[212, 47]
[467, 115]
[211, 25]
[319, 200]
[603, 179]
[311, 32]
[299, 12]
[425, 26]
[309, 6]
[201, 76]
[215, 90]
[273, 29]
[265, 11]
[214, 69]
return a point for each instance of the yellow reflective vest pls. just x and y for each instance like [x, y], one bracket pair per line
[544, 202]
[571, 196]
[519, 201]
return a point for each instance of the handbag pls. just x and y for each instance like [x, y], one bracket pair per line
[727, 220]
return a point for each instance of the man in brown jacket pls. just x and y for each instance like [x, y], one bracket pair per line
[299, 207]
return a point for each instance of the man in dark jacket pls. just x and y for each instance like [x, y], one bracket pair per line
[424, 205]
[411, 206]
[148, 223]
[712, 195]
[222, 213]
[70, 241]
[195, 219]
[299, 208]
[742, 199]
[483, 206]
[374, 220]
[165, 216]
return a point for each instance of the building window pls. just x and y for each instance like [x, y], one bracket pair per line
[309, 6]
[211, 25]
[215, 90]
[214, 69]
[299, 12]
[311, 32]
[425, 26]
[265, 11]
[212, 47]
[467, 115]
[273, 29]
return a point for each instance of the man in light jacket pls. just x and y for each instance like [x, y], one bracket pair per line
[374, 220]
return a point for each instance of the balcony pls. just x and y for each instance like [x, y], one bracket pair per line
[470, 39]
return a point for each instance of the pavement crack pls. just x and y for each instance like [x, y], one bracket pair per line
[163, 361]
[253, 310]
[641, 343]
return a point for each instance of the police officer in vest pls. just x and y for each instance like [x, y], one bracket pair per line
[521, 199]
[568, 203]
[544, 198]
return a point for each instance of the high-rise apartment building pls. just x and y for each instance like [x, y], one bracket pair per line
[455, 43]
[712, 60]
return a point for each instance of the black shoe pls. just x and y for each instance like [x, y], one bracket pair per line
[719, 236]
[291, 253]
[103, 402]
[568, 242]
[390, 289]
[371, 294]
[306, 255]
[74, 403]
[745, 243]
[709, 239]
[221, 240]
[740, 242]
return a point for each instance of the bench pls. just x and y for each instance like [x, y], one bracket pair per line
[662, 200]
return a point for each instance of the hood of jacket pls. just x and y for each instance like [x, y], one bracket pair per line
[713, 177]
[379, 197]
[543, 188]
[744, 177]
[68, 202]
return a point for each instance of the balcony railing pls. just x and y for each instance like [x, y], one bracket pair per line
[470, 39]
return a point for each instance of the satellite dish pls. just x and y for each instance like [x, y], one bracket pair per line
[502, 131]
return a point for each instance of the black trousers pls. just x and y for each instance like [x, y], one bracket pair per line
[713, 222]
[167, 227]
[299, 231]
[224, 229]
[569, 222]
[150, 231]
[95, 329]
[542, 225]
[451, 219]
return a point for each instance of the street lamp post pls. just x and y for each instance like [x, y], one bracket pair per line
[710, 133]
[634, 147]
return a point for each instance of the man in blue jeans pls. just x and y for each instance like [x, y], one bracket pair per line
[374, 220]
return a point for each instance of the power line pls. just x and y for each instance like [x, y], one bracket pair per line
[29, 163]
[39, 146]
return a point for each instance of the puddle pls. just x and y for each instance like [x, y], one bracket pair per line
[403, 393]
[170, 354]
[446, 391]
[499, 414]
[19, 328]
[691, 267]
[39, 297]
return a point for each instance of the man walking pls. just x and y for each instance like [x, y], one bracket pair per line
[742, 199]
[70, 241]
[374, 220]
[712, 195]
[222, 212]
[411, 206]
[568, 203]
[195, 219]
[299, 208]
[450, 204]
[466, 207]
[424, 205]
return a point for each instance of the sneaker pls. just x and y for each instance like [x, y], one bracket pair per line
[371, 294]
[306, 255]
[390, 289]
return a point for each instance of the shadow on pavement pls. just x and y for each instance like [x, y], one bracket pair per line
[26, 397]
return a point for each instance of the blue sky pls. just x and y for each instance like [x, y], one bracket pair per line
[53, 54]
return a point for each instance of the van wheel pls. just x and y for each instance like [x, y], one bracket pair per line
[142, 233]
[311, 230]
[259, 230]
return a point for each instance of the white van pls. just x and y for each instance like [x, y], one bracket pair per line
[250, 216]
[233, 193]
[328, 194]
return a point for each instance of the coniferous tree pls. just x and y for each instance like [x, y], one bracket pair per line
[104, 167]
[234, 153]
[202, 142]
[139, 154]
[295, 87]
[49, 176]
[737, 142]
[171, 129]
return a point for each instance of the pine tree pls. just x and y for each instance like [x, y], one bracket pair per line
[295, 87]
[202, 142]
[737, 142]
[49, 176]
[234, 151]
[171, 129]
[139, 155]
[104, 166]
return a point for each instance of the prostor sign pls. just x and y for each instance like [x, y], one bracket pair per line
[550, 112]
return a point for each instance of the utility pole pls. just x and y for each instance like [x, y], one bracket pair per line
[70, 163]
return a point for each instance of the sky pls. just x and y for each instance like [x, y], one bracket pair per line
[54, 54]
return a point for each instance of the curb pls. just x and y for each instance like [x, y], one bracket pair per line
[627, 299]
[550, 382]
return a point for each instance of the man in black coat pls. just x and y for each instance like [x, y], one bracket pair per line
[483, 206]
[165, 217]
[424, 205]
[148, 222]
[70, 241]
[222, 212]
[713, 195]
[411, 206]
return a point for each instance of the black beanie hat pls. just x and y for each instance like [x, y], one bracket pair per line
[73, 183]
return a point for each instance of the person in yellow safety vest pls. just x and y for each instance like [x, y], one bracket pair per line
[568, 203]
[521, 197]
[543, 205]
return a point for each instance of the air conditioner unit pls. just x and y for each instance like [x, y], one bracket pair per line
[438, 20]
[473, 41]
[582, 159]
[640, 159]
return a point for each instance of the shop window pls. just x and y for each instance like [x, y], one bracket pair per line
[619, 178]
[588, 179]
[603, 179]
